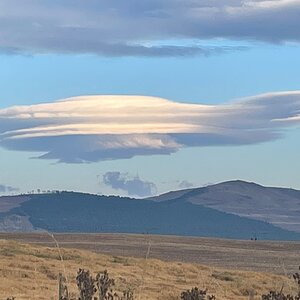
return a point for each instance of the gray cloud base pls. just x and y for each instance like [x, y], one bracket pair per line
[133, 186]
[94, 128]
[142, 28]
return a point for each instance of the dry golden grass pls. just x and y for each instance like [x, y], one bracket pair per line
[30, 272]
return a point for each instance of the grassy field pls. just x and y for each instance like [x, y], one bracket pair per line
[30, 272]
[274, 257]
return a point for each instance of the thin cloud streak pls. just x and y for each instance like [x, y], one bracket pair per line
[95, 128]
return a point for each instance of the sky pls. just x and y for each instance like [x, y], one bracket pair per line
[141, 97]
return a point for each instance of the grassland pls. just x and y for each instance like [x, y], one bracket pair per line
[30, 272]
[274, 257]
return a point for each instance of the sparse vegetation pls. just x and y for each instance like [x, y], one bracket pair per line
[296, 277]
[196, 294]
[279, 296]
[128, 278]
[63, 293]
[224, 276]
[273, 295]
[105, 286]
[88, 286]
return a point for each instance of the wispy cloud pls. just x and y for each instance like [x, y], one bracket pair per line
[185, 184]
[94, 128]
[134, 27]
[7, 189]
[134, 186]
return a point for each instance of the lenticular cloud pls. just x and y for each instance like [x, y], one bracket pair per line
[95, 128]
[144, 28]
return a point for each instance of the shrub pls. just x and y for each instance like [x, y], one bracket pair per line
[196, 294]
[280, 295]
[102, 285]
[86, 285]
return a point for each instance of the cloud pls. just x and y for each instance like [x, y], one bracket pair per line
[133, 186]
[185, 184]
[94, 128]
[143, 28]
[7, 189]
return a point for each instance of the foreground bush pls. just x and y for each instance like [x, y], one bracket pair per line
[100, 287]
[279, 296]
[196, 294]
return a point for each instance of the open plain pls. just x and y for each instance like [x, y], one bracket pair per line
[267, 256]
[31, 272]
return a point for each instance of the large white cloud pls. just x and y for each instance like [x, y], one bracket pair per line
[136, 27]
[94, 128]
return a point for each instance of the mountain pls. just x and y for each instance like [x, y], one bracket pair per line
[77, 212]
[278, 206]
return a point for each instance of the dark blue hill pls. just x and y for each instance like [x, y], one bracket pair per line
[77, 212]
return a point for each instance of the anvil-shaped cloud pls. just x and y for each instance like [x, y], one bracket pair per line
[94, 128]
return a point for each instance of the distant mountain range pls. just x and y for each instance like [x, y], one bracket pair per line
[234, 209]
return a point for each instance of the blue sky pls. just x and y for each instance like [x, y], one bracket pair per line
[252, 66]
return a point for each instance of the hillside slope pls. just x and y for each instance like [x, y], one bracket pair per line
[278, 206]
[77, 212]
